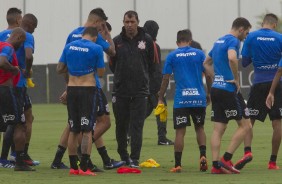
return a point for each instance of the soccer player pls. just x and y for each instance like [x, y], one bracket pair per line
[96, 18]
[151, 27]
[25, 59]
[131, 66]
[14, 19]
[81, 59]
[11, 110]
[263, 49]
[227, 101]
[190, 99]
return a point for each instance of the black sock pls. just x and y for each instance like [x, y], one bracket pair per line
[7, 142]
[20, 157]
[215, 164]
[26, 148]
[84, 162]
[177, 157]
[202, 149]
[273, 158]
[227, 156]
[90, 164]
[73, 162]
[104, 154]
[247, 149]
[59, 154]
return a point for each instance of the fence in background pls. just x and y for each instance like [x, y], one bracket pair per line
[49, 85]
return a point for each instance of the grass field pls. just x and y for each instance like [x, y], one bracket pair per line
[51, 119]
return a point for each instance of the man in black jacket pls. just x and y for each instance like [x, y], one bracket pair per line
[131, 65]
[151, 27]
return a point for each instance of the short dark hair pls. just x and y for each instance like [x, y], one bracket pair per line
[270, 18]
[12, 14]
[100, 13]
[92, 31]
[131, 14]
[30, 18]
[241, 22]
[184, 36]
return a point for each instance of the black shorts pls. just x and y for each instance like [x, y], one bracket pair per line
[227, 106]
[11, 108]
[82, 108]
[102, 103]
[181, 116]
[22, 94]
[256, 102]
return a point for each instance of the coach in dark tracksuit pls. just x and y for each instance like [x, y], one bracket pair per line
[131, 65]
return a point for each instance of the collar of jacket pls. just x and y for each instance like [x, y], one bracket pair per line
[140, 34]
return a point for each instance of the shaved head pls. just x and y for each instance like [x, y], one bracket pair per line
[29, 22]
[17, 37]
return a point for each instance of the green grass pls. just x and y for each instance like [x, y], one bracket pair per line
[51, 119]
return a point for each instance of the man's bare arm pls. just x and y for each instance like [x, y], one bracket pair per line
[163, 88]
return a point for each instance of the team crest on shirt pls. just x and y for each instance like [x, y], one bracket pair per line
[142, 45]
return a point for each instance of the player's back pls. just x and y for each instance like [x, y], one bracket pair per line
[219, 55]
[187, 64]
[83, 57]
[266, 48]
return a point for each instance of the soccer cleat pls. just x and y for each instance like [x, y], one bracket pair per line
[29, 161]
[59, 166]
[273, 166]
[246, 159]
[229, 166]
[221, 170]
[131, 163]
[13, 157]
[94, 168]
[24, 167]
[113, 164]
[74, 172]
[165, 142]
[134, 164]
[86, 173]
[176, 169]
[6, 164]
[203, 164]
[127, 161]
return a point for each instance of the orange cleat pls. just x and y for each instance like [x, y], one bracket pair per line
[176, 169]
[203, 164]
[88, 172]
